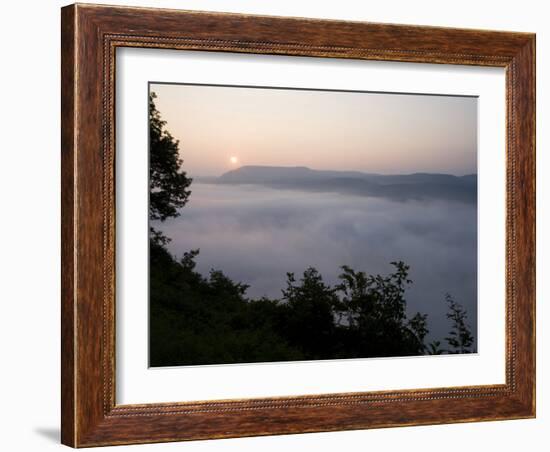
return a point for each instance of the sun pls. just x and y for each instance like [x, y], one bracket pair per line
[234, 160]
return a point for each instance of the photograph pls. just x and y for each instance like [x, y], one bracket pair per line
[292, 224]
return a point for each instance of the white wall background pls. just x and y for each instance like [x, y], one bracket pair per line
[29, 230]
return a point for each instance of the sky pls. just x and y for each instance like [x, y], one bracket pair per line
[223, 128]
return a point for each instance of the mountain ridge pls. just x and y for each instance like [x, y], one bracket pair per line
[394, 186]
[305, 170]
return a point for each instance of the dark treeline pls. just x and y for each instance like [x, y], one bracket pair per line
[210, 320]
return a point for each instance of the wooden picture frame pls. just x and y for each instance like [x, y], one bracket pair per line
[90, 36]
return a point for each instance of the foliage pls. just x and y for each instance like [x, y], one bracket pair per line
[168, 184]
[460, 337]
[198, 320]
[434, 348]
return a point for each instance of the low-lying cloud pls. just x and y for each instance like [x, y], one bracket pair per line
[257, 234]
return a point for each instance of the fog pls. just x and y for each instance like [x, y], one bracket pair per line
[256, 234]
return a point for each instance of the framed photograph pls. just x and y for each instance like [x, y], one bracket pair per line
[282, 225]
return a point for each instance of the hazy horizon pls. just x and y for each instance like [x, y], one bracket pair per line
[325, 169]
[223, 128]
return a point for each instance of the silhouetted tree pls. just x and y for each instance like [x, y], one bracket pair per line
[418, 325]
[168, 183]
[460, 337]
[434, 348]
[372, 309]
[310, 309]
[199, 320]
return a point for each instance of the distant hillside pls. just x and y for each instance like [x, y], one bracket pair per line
[266, 174]
[398, 186]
